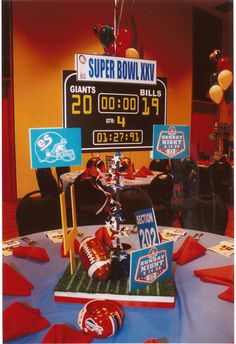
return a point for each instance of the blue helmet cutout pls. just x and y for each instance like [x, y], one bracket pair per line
[51, 147]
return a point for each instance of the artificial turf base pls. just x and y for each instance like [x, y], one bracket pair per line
[80, 288]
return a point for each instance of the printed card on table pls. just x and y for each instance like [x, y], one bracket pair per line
[170, 141]
[55, 147]
[147, 228]
[7, 247]
[150, 265]
[172, 233]
[55, 235]
[225, 248]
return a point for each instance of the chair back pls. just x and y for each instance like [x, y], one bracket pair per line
[161, 189]
[189, 177]
[215, 178]
[59, 171]
[90, 200]
[177, 170]
[205, 212]
[125, 164]
[160, 166]
[133, 199]
[35, 214]
[46, 182]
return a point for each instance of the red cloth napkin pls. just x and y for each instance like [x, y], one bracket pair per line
[189, 250]
[14, 283]
[20, 319]
[129, 175]
[219, 275]
[224, 274]
[140, 174]
[76, 246]
[151, 340]
[146, 171]
[228, 294]
[60, 333]
[37, 253]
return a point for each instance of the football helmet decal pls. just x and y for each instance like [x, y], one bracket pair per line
[51, 147]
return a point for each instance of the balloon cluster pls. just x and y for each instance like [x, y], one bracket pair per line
[115, 47]
[221, 80]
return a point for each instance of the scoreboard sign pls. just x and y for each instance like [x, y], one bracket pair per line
[113, 114]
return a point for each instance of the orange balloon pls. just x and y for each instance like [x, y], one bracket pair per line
[216, 93]
[132, 53]
[225, 79]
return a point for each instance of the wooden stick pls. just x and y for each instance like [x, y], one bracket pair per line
[73, 207]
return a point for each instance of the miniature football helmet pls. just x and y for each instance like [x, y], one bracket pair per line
[101, 318]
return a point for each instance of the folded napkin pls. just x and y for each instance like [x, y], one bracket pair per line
[60, 333]
[76, 246]
[37, 253]
[189, 250]
[140, 174]
[220, 275]
[151, 340]
[129, 176]
[228, 294]
[20, 319]
[14, 283]
[146, 171]
[214, 280]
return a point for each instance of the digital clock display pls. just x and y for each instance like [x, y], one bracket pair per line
[117, 137]
[113, 115]
[109, 103]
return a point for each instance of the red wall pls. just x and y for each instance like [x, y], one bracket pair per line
[202, 125]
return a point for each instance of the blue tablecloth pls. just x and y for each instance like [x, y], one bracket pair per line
[199, 315]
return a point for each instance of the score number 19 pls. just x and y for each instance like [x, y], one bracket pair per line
[147, 106]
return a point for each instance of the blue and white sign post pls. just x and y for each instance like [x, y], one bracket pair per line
[147, 228]
[55, 147]
[170, 141]
[153, 262]
[149, 265]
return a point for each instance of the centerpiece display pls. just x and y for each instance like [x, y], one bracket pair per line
[105, 269]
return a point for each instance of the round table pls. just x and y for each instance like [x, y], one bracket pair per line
[199, 315]
[69, 177]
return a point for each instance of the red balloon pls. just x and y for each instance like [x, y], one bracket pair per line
[224, 63]
[120, 49]
[124, 36]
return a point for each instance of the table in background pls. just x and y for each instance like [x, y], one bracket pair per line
[199, 315]
[69, 177]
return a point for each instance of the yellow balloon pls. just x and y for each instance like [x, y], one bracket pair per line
[132, 53]
[216, 93]
[225, 78]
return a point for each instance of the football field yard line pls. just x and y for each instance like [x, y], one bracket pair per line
[157, 289]
[73, 276]
[117, 287]
[80, 282]
[89, 284]
[108, 285]
[98, 286]
[127, 288]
